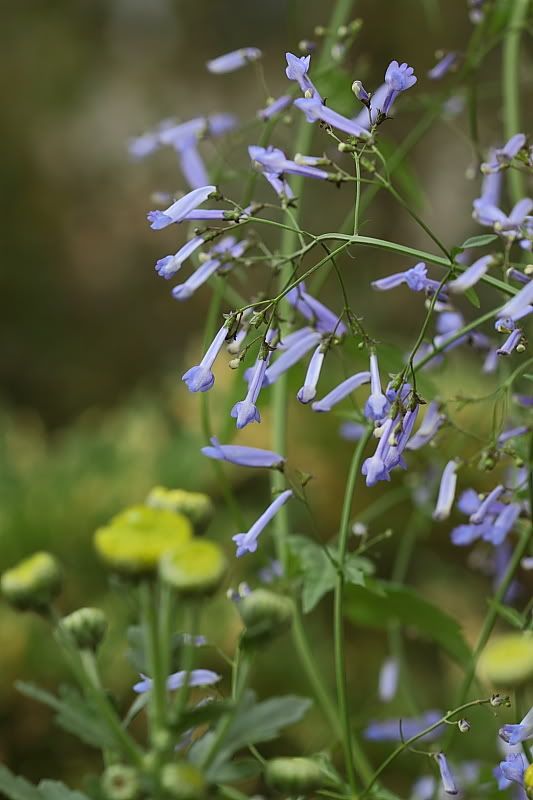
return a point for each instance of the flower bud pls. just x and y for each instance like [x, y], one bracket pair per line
[196, 568]
[360, 92]
[120, 782]
[265, 615]
[183, 781]
[295, 775]
[33, 583]
[198, 507]
[134, 541]
[528, 781]
[463, 725]
[507, 660]
[86, 626]
[497, 700]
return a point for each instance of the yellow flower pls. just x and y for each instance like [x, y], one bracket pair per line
[196, 568]
[195, 505]
[33, 583]
[507, 660]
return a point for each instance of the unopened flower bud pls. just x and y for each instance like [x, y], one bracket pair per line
[265, 615]
[463, 725]
[86, 626]
[32, 583]
[295, 776]
[507, 660]
[197, 506]
[120, 782]
[345, 147]
[360, 92]
[183, 781]
[320, 30]
[497, 700]
[197, 568]
[306, 46]
[235, 363]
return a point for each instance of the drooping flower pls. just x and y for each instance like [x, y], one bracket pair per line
[509, 226]
[298, 349]
[315, 111]
[168, 266]
[243, 456]
[274, 107]
[225, 251]
[446, 63]
[341, 391]
[511, 343]
[247, 542]
[431, 424]
[297, 70]
[446, 491]
[273, 160]
[374, 467]
[520, 304]
[352, 431]
[229, 62]
[448, 781]
[200, 378]
[399, 78]
[471, 275]
[246, 411]
[321, 317]
[196, 677]
[514, 734]
[491, 187]
[308, 391]
[179, 210]
[388, 679]
[399, 439]
[415, 278]
[377, 405]
[512, 433]
[395, 730]
[510, 770]
[501, 157]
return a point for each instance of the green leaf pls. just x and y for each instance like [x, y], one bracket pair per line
[236, 771]
[471, 296]
[403, 605]
[54, 790]
[204, 713]
[16, 788]
[356, 569]
[510, 615]
[479, 241]
[318, 573]
[74, 714]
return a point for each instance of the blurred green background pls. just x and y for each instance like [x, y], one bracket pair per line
[92, 410]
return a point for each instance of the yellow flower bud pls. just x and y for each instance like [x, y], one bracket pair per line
[507, 660]
[195, 505]
[295, 775]
[120, 782]
[86, 626]
[265, 615]
[196, 568]
[183, 781]
[33, 583]
[134, 541]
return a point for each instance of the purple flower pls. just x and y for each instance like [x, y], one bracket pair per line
[179, 210]
[514, 734]
[485, 506]
[388, 679]
[246, 411]
[415, 278]
[520, 304]
[446, 491]
[393, 457]
[193, 167]
[308, 390]
[144, 145]
[352, 431]
[226, 250]
[341, 391]
[431, 424]
[503, 524]
[271, 572]
[313, 310]
[275, 107]
[525, 400]
[168, 266]
[512, 433]
[291, 356]
[297, 69]
[517, 275]
[443, 66]
[399, 78]
[374, 468]
[377, 405]
[361, 93]
[510, 770]
[491, 186]
[247, 542]
[315, 111]
[197, 677]
[395, 730]
[243, 456]
[511, 343]
[448, 782]
[508, 226]
[471, 276]
[229, 62]
[201, 378]
[502, 157]
[274, 161]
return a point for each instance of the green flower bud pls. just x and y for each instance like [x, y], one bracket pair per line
[528, 781]
[295, 775]
[120, 782]
[135, 540]
[507, 660]
[86, 626]
[198, 507]
[183, 781]
[33, 583]
[265, 615]
[194, 569]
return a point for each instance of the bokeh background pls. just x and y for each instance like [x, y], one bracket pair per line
[92, 412]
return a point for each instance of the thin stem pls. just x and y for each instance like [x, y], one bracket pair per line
[190, 624]
[511, 87]
[350, 747]
[157, 699]
[227, 719]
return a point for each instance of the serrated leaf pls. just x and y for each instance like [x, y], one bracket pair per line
[405, 606]
[54, 790]
[74, 714]
[318, 573]
[16, 788]
[479, 241]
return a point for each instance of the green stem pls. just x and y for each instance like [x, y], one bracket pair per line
[351, 748]
[157, 700]
[511, 87]
[226, 721]
[190, 625]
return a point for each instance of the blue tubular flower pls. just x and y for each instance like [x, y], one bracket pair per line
[388, 679]
[446, 491]
[369, 116]
[315, 111]
[502, 157]
[463, 535]
[393, 457]
[291, 338]
[395, 730]
[297, 69]
[201, 378]
[503, 524]
[471, 276]
[352, 431]
[485, 506]
[399, 78]
[142, 146]
[491, 187]
[361, 93]
[197, 677]
[228, 249]
[415, 278]
[443, 66]
[374, 467]
[517, 275]
[510, 770]
[514, 734]
[377, 405]
[291, 356]
[431, 424]
[247, 542]
[168, 266]
[243, 456]
[193, 167]
[275, 107]
[512, 433]
[229, 62]
[341, 391]
[508, 226]
[316, 312]
[246, 411]
[274, 161]
[179, 210]
[511, 343]
[448, 782]
[520, 304]
[308, 390]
